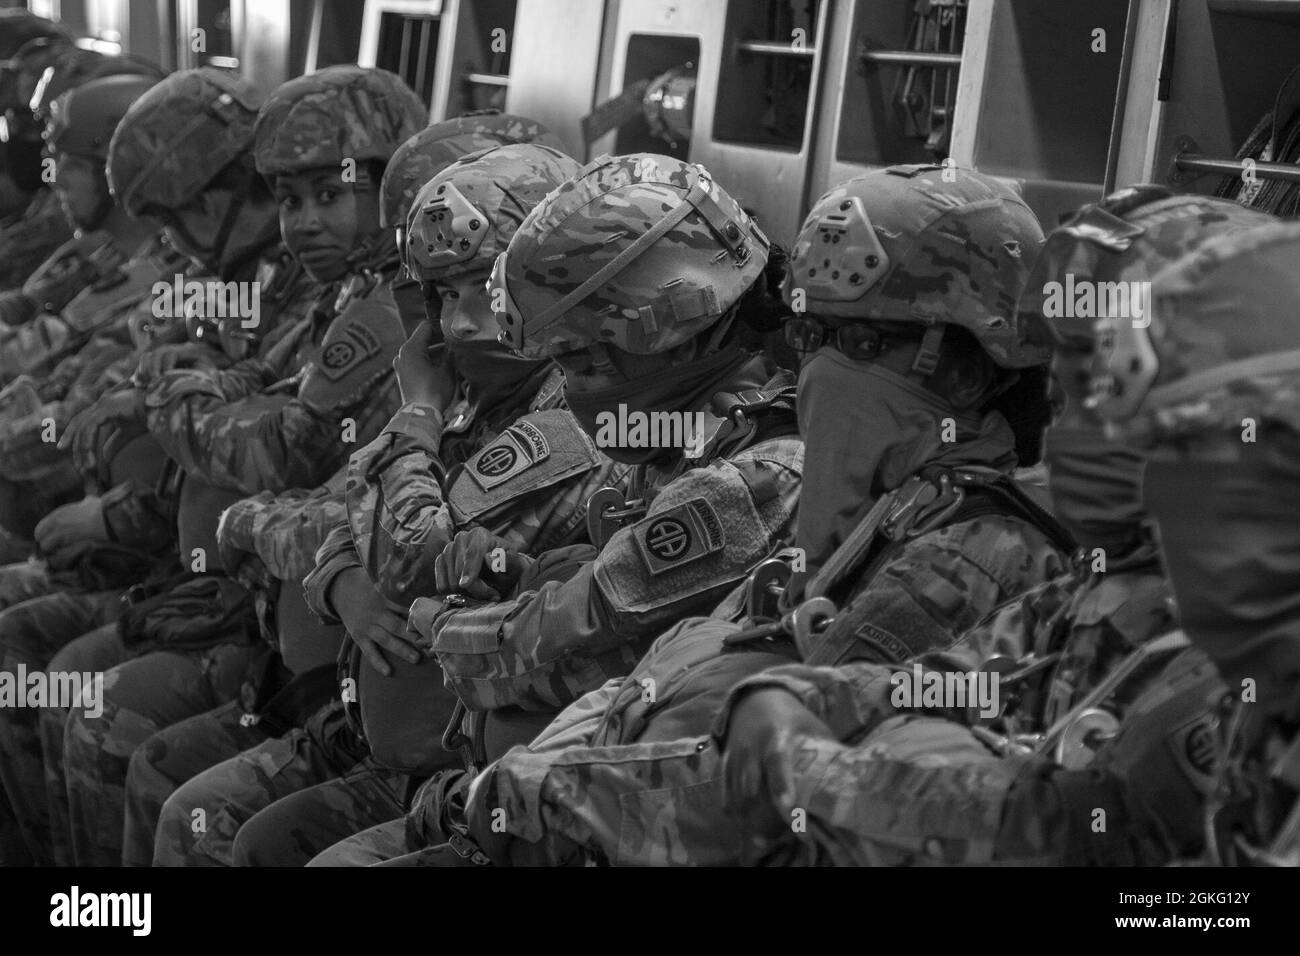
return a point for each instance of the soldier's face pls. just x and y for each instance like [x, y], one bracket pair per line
[78, 186]
[321, 220]
[466, 316]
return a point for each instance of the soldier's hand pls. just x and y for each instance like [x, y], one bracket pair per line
[371, 621]
[164, 358]
[71, 524]
[90, 431]
[419, 378]
[757, 758]
[478, 563]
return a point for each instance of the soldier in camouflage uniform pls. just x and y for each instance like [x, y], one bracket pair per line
[913, 315]
[237, 435]
[88, 330]
[880, 781]
[278, 536]
[408, 492]
[34, 329]
[650, 323]
[1209, 390]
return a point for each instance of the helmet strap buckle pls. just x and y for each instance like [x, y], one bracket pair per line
[927, 355]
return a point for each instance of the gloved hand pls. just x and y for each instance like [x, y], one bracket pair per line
[71, 524]
[371, 622]
[466, 565]
[164, 358]
[441, 795]
[91, 433]
[420, 378]
[757, 759]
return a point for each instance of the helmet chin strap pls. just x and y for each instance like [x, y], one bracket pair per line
[236, 205]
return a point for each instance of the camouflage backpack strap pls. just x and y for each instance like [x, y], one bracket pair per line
[736, 420]
[936, 497]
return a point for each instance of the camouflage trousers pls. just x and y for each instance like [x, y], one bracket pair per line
[628, 772]
[295, 829]
[171, 757]
[32, 632]
[141, 697]
[23, 581]
[198, 823]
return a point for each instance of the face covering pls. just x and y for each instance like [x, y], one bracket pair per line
[1230, 534]
[866, 430]
[1096, 489]
[685, 388]
[493, 375]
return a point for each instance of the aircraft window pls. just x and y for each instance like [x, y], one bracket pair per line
[766, 72]
[407, 47]
[485, 37]
[900, 93]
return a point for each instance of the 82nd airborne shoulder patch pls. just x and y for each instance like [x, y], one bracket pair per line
[678, 536]
[518, 448]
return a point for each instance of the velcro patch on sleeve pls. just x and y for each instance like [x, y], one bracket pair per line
[686, 533]
[519, 447]
[346, 348]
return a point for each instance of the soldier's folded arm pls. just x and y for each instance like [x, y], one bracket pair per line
[284, 530]
[682, 558]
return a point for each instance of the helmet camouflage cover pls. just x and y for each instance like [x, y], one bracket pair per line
[464, 217]
[429, 151]
[82, 120]
[640, 252]
[1128, 236]
[1219, 345]
[178, 136]
[336, 114]
[925, 245]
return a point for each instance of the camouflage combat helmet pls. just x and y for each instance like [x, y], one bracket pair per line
[640, 252]
[430, 150]
[74, 67]
[20, 73]
[179, 136]
[83, 119]
[19, 27]
[337, 114]
[1125, 238]
[926, 245]
[1219, 345]
[464, 217]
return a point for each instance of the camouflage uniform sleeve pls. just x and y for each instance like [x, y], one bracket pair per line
[936, 588]
[703, 533]
[250, 447]
[396, 500]
[401, 518]
[336, 554]
[345, 396]
[283, 530]
[138, 517]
